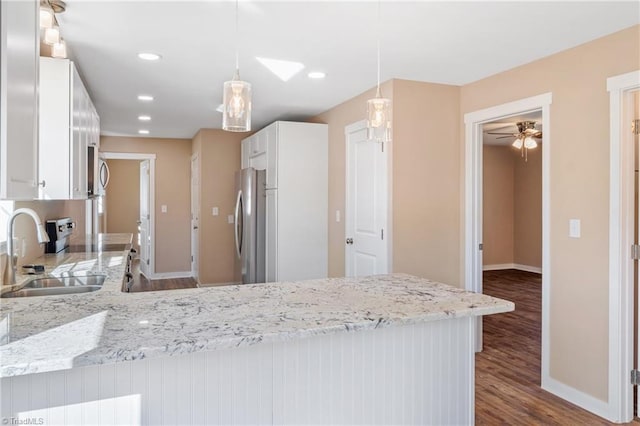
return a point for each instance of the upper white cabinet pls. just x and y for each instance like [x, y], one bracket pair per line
[69, 125]
[295, 156]
[19, 52]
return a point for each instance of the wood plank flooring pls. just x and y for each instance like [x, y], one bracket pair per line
[508, 369]
[142, 283]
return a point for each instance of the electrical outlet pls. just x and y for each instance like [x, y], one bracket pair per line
[163, 208]
[337, 215]
[230, 218]
[215, 211]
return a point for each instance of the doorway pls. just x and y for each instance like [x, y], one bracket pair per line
[367, 243]
[129, 203]
[623, 222]
[473, 251]
[195, 215]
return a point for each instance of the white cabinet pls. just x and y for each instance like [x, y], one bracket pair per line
[19, 52]
[295, 156]
[69, 125]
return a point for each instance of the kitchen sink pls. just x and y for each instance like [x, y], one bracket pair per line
[50, 286]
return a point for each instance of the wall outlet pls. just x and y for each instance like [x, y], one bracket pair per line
[163, 208]
[337, 215]
[215, 211]
[230, 218]
[574, 228]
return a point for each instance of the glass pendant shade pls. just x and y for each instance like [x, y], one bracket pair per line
[379, 119]
[236, 116]
[46, 17]
[517, 143]
[52, 35]
[530, 143]
[59, 50]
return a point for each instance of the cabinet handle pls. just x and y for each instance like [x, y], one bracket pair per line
[43, 183]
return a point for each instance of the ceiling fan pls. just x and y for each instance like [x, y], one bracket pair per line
[525, 138]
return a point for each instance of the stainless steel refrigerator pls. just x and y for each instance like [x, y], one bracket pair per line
[249, 228]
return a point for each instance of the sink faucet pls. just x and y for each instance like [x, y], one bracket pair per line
[41, 234]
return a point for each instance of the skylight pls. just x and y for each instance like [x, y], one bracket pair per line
[284, 70]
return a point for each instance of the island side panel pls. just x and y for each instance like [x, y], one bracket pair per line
[412, 374]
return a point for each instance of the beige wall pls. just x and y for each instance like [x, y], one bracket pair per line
[579, 189]
[497, 205]
[527, 220]
[511, 207]
[426, 190]
[173, 169]
[123, 197]
[219, 157]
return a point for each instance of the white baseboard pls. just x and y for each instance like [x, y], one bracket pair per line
[217, 284]
[518, 266]
[165, 275]
[574, 396]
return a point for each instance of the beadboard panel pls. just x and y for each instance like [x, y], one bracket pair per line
[414, 374]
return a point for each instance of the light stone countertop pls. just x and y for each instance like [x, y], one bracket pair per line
[50, 333]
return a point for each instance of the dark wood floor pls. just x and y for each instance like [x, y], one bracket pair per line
[508, 369]
[142, 283]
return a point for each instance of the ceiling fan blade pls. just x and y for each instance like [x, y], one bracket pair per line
[504, 137]
[501, 133]
[538, 135]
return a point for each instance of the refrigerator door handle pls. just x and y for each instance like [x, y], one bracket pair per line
[238, 238]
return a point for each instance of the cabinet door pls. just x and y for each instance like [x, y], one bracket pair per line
[79, 139]
[271, 235]
[271, 137]
[19, 53]
[246, 153]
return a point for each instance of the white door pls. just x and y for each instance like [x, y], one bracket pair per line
[145, 216]
[366, 251]
[195, 214]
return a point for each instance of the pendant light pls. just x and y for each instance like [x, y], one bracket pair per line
[59, 50]
[379, 108]
[46, 16]
[52, 35]
[236, 101]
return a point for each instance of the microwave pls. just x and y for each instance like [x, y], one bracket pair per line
[97, 173]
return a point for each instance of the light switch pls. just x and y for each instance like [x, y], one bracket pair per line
[163, 208]
[214, 211]
[337, 215]
[574, 228]
[230, 218]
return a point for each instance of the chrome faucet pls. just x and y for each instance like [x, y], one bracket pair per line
[41, 234]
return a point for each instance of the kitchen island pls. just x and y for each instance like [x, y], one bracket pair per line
[381, 349]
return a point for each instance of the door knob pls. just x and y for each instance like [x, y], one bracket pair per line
[195, 227]
[349, 240]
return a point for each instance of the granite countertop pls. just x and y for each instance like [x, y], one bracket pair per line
[59, 332]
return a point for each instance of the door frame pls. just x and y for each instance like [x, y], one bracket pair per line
[472, 266]
[152, 197]
[195, 248]
[621, 229]
[388, 149]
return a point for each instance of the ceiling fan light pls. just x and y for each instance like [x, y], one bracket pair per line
[46, 17]
[379, 119]
[530, 143]
[52, 35]
[517, 143]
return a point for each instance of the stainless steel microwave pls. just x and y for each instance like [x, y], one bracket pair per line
[97, 173]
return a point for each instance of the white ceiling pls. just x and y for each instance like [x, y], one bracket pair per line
[443, 42]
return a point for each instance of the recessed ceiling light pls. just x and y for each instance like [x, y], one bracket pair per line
[144, 118]
[316, 75]
[149, 56]
[146, 98]
[143, 132]
[283, 69]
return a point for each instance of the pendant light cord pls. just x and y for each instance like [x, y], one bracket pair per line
[237, 43]
[378, 88]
